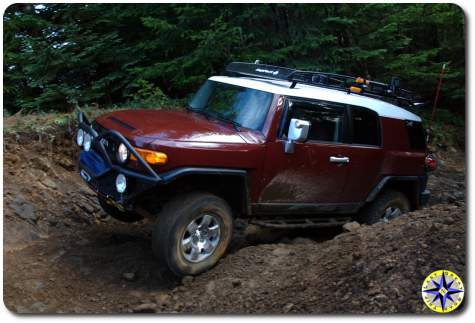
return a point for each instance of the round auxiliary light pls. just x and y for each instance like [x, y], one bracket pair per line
[87, 141]
[122, 153]
[80, 137]
[120, 183]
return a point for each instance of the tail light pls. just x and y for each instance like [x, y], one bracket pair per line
[431, 163]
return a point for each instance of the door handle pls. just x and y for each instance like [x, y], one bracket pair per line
[339, 160]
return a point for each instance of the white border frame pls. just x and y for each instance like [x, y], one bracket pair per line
[469, 312]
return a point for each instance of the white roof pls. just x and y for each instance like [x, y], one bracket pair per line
[383, 108]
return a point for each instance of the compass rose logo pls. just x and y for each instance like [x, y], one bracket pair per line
[442, 291]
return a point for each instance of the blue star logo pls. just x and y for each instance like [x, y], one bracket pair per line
[443, 291]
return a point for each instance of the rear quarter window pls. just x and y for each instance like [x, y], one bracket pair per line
[365, 127]
[416, 134]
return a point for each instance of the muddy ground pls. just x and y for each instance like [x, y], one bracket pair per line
[62, 254]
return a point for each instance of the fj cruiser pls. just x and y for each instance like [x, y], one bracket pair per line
[282, 147]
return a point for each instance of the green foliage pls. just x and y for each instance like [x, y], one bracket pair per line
[147, 93]
[447, 128]
[58, 56]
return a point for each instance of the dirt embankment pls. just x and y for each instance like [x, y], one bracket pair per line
[62, 254]
[376, 269]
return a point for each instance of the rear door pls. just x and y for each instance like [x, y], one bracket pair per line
[310, 174]
[365, 153]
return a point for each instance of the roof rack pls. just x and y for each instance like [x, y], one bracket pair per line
[392, 92]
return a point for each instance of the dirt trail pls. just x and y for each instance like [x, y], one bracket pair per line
[62, 254]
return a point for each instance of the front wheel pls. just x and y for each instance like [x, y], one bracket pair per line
[192, 233]
[388, 205]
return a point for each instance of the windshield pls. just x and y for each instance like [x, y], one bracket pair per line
[239, 105]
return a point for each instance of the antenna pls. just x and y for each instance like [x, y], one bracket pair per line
[436, 100]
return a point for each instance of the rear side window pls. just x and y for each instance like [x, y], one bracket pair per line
[415, 131]
[327, 121]
[365, 127]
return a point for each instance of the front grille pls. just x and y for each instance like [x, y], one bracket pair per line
[110, 143]
[111, 148]
[96, 126]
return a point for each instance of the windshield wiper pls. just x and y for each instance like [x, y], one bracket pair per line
[209, 115]
[237, 126]
[189, 108]
[200, 111]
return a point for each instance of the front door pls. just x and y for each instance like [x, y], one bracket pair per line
[316, 172]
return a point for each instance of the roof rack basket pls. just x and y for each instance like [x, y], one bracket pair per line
[392, 92]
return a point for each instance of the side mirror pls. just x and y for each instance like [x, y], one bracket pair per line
[298, 131]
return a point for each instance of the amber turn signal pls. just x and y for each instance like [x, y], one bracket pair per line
[151, 157]
[355, 89]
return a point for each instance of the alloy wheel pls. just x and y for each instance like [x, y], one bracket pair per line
[201, 237]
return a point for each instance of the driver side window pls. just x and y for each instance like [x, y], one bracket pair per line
[327, 121]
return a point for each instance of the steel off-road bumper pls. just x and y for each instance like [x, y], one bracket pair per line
[99, 171]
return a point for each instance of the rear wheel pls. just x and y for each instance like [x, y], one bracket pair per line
[192, 233]
[388, 205]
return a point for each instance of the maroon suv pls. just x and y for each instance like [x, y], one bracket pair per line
[283, 147]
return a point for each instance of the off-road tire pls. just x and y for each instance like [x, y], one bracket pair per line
[374, 212]
[171, 225]
[127, 216]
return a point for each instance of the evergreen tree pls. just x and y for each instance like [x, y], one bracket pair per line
[60, 55]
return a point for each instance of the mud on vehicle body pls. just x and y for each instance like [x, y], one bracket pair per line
[282, 147]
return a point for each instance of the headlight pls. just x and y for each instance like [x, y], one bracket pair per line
[122, 153]
[87, 141]
[80, 137]
[120, 183]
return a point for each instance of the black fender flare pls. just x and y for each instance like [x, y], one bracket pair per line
[173, 174]
[170, 176]
[420, 181]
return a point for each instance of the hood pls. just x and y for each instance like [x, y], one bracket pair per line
[165, 125]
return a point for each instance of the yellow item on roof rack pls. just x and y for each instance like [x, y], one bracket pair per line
[355, 89]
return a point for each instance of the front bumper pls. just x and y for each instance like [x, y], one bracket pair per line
[98, 170]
